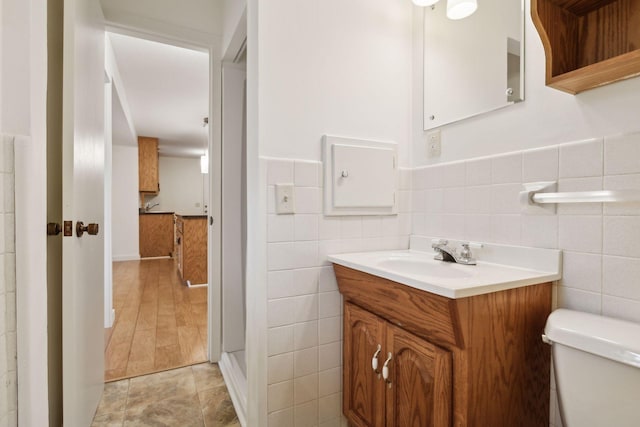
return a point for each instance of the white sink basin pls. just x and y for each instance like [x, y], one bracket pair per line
[416, 268]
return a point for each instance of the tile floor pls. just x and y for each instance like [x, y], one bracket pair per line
[190, 396]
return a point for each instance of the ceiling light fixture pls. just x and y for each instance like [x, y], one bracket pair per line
[460, 9]
[456, 9]
[425, 3]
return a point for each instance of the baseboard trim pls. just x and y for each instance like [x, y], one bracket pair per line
[236, 385]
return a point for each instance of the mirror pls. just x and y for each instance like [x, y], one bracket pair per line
[473, 65]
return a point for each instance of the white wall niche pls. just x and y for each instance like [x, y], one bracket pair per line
[360, 176]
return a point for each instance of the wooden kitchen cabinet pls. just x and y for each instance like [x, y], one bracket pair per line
[417, 391]
[467, 362]
[156, 234]
[191, 248]
[148, 165]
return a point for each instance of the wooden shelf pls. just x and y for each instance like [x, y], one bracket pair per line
[588, 43]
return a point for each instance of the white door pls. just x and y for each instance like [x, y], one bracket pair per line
[83, 200]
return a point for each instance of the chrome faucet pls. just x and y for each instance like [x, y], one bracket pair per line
[448, 254]
[148, 208]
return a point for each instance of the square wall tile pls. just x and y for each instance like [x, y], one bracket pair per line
[506, 229]
[305, 254]
[582, 271]
[477, 200]
[329, 407]
[506, 169]
[279, 171]
[453, 174]
[306, 414]
[540, 164]
[280, 340]
[307, 174]
[540, 231]
[307, 200]
[622, 182]
[433, 201]
[327, 280]
[306, 335]
[305, 281]
[305, 362]
[306, 308]
[622, 236]
[329, 381]
[280, 256]
[621, 308]
[371, 226]
[329, 227]
[280, 396]
[453, 200]
[621, 277]
[622, 154]
[281, 312]
[330, 356]
[581, 159]
[330, 304]
[329, 329]
[283, 418]
[305, 388]
[453, 226]
[280, 368]
[351, 227]
[576, 299]
[305, 227]
[580, 233]
[505, 198]
[580, 184]
[478, 172]
[477, 227]
[280, 228]
[280, 284]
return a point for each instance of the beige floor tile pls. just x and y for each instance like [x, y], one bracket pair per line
[207, 375]
[175, 411]
[114, 397]
[156, 387]
[109, 420]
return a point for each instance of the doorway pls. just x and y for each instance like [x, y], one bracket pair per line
[157, 185]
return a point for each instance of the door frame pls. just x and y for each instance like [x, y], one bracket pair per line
[214, 238]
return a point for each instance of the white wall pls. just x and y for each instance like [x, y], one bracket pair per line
[124, 203]
[233, 217]
[342, 68]
[232, 14]
[332, 67]
[546, 117]
[181, 186]
[23, 112]
[195, 21]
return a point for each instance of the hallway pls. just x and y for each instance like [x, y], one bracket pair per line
[191, 396]
[160, 323]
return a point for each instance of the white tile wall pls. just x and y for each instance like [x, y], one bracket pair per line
[601, 244]
[8, 376]
[304, 306]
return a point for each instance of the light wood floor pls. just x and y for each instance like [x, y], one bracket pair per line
[160, 323]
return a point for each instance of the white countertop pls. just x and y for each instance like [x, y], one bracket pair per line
[419, 270]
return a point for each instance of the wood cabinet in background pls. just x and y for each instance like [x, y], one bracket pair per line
[148, 165]
[191, 248]
[156, 234]
[466, 362]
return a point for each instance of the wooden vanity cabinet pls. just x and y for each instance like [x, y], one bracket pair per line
[417, 391]
[468, 362]
[148, 165]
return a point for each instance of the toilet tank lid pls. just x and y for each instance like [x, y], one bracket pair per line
[614, 339]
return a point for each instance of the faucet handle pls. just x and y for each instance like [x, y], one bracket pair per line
[439, 242]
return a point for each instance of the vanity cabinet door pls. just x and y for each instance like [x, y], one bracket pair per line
[364, 389]
[418, 391]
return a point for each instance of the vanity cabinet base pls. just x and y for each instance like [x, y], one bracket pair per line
[476, 361]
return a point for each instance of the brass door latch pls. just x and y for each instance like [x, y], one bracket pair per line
[92, 229]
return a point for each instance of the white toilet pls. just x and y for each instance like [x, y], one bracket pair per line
[597, 369]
